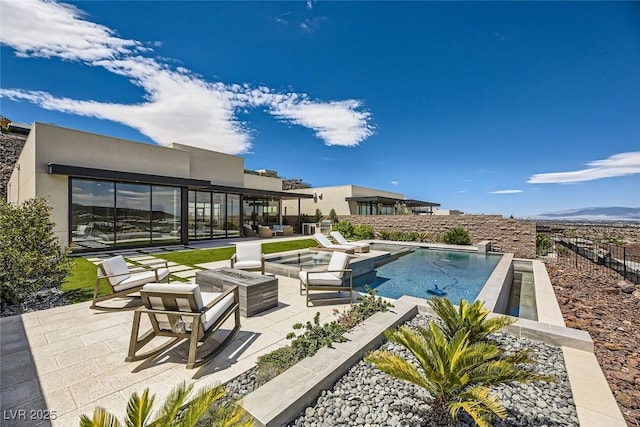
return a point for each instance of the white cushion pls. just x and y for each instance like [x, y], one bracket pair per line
[117, 267]
[210, 316]
[247, 264]
[338, 261]
[249, 251]
[137, 279]
[169, 288]
[320, 278]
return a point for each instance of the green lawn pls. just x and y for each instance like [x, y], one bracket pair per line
[200, 256]
[81, 282]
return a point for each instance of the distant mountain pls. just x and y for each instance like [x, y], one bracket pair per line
[612, 213]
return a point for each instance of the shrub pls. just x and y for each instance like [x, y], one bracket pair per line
[544, 245]
[345, 228]
[333, 216]
[384, 235]
[423, 237]
[401, 236]
[31, 257]
[363, 231]
[368, 305]
[272, 364]
[315, 336]
[457, 236]
[563, 251]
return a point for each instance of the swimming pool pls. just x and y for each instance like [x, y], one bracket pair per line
[461, 274]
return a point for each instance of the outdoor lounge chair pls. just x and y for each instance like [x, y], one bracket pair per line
[339, 238]
[122, 282]
[332, 279]
[264, 231]
[325, 244]
[181, 311]
[248, 257]
[248, 231]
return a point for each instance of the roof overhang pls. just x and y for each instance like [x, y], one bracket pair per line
[143, 178]
[411, 203]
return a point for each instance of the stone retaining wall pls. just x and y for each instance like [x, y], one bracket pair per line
[505, 234]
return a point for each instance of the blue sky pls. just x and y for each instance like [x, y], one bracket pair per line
[511, 108]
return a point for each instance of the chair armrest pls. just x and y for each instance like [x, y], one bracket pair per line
[161, 263]
[232, 289]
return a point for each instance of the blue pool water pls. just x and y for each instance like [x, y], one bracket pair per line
[461, 274]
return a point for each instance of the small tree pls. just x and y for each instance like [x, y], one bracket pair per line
[31, 257]
[318, 216]
[333, 216]
[401, 208]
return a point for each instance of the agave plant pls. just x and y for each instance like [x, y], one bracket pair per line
[206, 405]
[456, 372]
[471, 318]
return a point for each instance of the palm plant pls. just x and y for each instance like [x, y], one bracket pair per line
[206, 405]
[457, 373]
[471, 318]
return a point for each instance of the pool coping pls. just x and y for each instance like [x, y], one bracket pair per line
[286, 396]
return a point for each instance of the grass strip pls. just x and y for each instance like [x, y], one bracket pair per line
[200, 256]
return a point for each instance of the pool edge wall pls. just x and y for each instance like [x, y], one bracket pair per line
[495, 292]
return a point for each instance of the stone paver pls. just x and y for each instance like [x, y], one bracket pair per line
[77, 362]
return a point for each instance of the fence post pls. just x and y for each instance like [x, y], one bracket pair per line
[624, 260]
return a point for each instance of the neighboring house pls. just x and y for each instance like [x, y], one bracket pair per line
[353, 200]
[113, 193]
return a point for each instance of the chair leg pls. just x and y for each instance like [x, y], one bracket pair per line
[136, 344]
[193, 344]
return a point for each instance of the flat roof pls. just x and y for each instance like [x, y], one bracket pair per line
[191, 183]
[412, 203]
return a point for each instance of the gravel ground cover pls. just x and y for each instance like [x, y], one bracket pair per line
[366, 396]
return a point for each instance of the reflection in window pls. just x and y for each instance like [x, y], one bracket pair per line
[233, 215]
[92, 214]
[165, 211]
[133, 218]
[218, 213]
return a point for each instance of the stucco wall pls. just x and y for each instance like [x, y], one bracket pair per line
[262, 182]
[508, 235]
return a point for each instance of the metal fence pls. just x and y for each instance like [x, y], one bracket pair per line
[588, 253]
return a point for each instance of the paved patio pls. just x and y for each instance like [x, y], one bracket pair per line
[68, 360]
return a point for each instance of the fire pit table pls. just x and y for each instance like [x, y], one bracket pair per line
[257, 292]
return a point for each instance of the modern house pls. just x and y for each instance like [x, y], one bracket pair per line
[113, 193]
[353, 200]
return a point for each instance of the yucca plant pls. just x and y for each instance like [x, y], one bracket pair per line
[206, 407]
[470, 318]
[456, 372]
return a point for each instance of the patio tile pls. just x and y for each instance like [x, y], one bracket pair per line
[66, 377]
[103, 334]
[52, 349]
[74, 357]
[177, 267]
[61, 402]
[186, 274]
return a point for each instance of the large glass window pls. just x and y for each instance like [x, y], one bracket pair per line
[165, 214]
[92, 214]
[107, 214]
[133, 216]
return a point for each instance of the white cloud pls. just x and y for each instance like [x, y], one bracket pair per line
[505, 192]
[394, 183]
[179, 106]
[617, 165]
